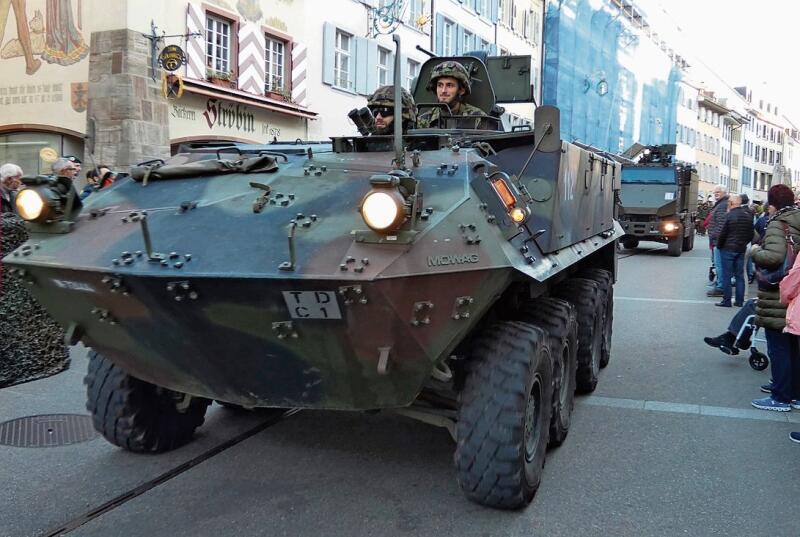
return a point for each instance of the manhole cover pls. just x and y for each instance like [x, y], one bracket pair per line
[47, 431]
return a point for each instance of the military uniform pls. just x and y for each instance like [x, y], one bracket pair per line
[384, 97]
[432, 119]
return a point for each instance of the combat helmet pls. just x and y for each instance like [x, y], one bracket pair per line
[384, 96]
[452, 69]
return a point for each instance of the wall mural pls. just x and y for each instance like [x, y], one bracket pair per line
[55, 36]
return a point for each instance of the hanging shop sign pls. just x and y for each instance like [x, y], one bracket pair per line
[172, 58]
[171, 86]
[48, 154]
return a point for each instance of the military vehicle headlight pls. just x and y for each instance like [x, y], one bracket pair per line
[670, 226]
[383, 210]
[30, 204]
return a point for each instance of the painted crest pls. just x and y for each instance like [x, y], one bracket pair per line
[171, 58]
[79, 96]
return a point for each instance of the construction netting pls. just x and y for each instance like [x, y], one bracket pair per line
[613, 84]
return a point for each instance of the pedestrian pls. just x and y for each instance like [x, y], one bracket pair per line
[97, 179]
[10, 181]
[727, 341]
[64, 167]
[783, 228]
[715, 221]
[790, 295]
[732, 242]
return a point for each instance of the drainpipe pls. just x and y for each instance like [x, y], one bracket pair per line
[433, 26]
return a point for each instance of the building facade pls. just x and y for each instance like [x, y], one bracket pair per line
[255, 70]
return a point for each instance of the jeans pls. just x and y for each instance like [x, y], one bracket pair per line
[741, 316]
[732, 266]
[718, 269]
[784, 359]
[749, 265]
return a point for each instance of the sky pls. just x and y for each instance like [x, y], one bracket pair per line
[743, 42]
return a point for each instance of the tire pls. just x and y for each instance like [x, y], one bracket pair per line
[675, 244]
[136, 415]
[557, 317]
[586, 297]
[606, 281]
[630, 244]
[504, 416]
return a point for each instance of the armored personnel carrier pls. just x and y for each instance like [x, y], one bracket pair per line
[658, 199]
[460, 277]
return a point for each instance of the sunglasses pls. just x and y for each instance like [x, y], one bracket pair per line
[384, 111]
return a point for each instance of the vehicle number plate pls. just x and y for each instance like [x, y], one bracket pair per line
[312, 304]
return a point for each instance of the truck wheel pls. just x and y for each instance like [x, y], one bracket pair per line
[688, 242]
[136, 415]
[504, 416]
[604, 278]
[557, 317]
[675, 244]
[586, 297]
[630, 244]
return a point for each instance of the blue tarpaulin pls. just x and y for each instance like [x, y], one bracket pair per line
[614, 86]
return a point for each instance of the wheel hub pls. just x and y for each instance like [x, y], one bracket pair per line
[532, 420]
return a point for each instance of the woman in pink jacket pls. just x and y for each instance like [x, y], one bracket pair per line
[790, 295]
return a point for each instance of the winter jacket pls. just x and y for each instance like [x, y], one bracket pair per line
[790, 295]
[770, 313]
[717, 220]
[7, 198]
[737, 231]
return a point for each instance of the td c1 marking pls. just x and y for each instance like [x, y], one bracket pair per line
[442, 260]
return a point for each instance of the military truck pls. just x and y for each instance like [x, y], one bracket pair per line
[658, 199]
[460, 277]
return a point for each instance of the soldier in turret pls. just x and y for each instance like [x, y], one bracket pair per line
[381, 104]
[451, 82]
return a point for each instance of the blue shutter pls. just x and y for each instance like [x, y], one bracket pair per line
[328, 50]
[476, 5]
[492, 49]
[494, 11]
[362, 65]
[439, 31]
[403, 72]
[391, 68]
[459, 32]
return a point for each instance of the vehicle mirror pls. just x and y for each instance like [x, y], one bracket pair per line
[547, 128]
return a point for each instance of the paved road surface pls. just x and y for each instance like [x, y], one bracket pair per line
[668, 445]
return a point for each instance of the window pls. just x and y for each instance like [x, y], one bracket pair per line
[275, 55]
[218, 44]
[384, 59]
[341, 65]
[413, 71]
[415, 11]
[482, 6]
[448, 38]
[485, 45]
[469, 42]
[506, 12]
[535, 30]
[526, 24]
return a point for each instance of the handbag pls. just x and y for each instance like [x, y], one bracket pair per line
[772, 278]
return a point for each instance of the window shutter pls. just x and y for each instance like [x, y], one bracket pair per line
[328, 51]
[476, 5]
[196, 46]
[439, 31]
[361, 63]
[371, 67]
[492, 49]
[299, 69]
[391, 69]
[252, 70]
[403, 72]
[459, 31]
[494, 10]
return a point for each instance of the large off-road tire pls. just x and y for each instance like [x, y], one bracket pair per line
[688, 242]
[504, 416]
[675, 244]
[606, 281]
[629, 243]
[136, 415]
[586, 297]
[558, 318]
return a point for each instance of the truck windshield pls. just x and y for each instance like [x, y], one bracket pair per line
[649, 174]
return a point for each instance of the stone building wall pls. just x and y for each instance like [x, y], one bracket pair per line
[126, 104]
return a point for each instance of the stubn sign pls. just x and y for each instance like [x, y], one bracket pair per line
[229, 115]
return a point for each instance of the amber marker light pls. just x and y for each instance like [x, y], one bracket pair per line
[504, 192]
[29, 204]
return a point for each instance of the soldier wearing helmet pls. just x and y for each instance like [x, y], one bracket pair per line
[381, 104]
[450, 81]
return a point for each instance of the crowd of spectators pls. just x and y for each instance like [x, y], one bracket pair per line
[764, 241]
